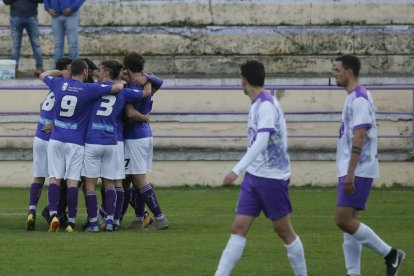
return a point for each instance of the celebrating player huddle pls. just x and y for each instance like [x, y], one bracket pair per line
[85, 122]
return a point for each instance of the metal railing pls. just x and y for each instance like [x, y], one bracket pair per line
[272, 88]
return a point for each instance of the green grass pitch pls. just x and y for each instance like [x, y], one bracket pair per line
[200, 225]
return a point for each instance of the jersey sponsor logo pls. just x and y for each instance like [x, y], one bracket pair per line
[66, 125]
[44, 121]
[103, 127]
[104, 85]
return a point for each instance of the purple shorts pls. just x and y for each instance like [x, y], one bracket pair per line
[359, 198]
[269, 195]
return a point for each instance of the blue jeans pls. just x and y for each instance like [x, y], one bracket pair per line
[31, 25]
[66, 24]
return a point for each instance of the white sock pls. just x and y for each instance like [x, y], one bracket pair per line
[352, 253]
[296, 256]
[370, 239]
[231, 254]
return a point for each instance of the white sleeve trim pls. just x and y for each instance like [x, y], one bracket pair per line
[258, 146]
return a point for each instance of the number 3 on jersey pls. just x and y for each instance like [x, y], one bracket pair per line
[107, 104]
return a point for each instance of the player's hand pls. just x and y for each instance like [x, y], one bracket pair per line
[67, 12]
[47, 128]
[230, 178]
[52, 12]
[141, 80]
[349, 183]
[66, 74]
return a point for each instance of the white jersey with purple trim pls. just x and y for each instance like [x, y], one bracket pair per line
[358, 112]
[266, 115]
[72, 108]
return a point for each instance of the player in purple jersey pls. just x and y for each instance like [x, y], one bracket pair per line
[357, 166]
[40, 142]
[73, 99]
[101, 144]
[265, 184]
[139, 145]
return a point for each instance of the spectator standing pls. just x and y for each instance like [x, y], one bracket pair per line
[65, 20]
[23, 16]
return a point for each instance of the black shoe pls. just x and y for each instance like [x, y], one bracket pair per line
[393, 261]
[45, 214]
[70, 227]
[63, 220]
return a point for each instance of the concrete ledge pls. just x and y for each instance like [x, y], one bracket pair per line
[225, 40]
[387, 66]
[212, 173]
[236, 12]
[171, 153]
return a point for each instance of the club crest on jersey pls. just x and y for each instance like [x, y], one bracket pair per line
[65, 86]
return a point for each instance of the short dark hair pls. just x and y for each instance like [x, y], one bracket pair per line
[78, 66]
[350, 62]
[90, 63]
[111, 67]
[62, 63]
[134, 62]
[254, 72]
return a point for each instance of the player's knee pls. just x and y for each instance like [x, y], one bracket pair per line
[239, 229]
[341, 221]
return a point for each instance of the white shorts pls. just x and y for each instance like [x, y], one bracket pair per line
[101, 161]
[40, 158]
[65, 160]
[121, 160]
[138, 155]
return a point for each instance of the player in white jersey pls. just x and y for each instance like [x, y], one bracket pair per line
[265, 184]
[66, 144]
[356, 167]
[40, 143]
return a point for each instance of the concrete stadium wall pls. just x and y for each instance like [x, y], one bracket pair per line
[212, 173]
[213, 37]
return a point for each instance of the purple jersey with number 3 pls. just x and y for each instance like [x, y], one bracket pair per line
[104, 122]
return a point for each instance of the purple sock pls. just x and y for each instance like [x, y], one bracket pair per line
[62, 200]
[119, 202]
[53, 197]
[72, 200]
[103, 197]
[139, 204]
[91, 205]
[127, 198]
[35, 191]
[110, 202]
[150, 199]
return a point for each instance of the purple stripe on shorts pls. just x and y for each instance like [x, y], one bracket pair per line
[271, 130]
[264, 194]
[365, 126]
[359, 198]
